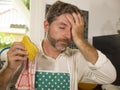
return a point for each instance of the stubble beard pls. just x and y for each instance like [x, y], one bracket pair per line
[55, 43]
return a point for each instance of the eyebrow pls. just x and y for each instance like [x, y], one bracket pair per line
[62, 23]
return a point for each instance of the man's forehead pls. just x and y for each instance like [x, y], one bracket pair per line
[63, 20]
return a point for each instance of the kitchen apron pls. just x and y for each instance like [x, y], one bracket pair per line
[52, 80]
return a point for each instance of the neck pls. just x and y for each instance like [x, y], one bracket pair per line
[49, 50]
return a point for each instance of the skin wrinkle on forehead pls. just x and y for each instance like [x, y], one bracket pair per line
[62, 22]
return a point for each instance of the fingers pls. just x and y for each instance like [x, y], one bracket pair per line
[70, 19]
[18, 58]
[17, 45]
[75, 19]
[17, 52]
[81, 20]
[16, 55]
[77, 25]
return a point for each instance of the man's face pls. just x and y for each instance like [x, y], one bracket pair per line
[59, 33]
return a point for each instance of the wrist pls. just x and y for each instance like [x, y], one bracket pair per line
[80, 42]
[10, 69]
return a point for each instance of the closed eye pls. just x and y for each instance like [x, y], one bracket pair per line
[62, 27]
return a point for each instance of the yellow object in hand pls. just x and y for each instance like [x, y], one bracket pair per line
[30, 47]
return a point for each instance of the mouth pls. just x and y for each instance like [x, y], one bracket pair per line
[62, 42]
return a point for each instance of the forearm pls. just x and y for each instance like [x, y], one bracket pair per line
[102, 72]
[5, 77]
[77, 32]
[88, 51]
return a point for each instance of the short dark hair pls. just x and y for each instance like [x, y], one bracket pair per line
[59, 8]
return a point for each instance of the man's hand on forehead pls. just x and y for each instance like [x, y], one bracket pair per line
[75, 18]
[77, 23]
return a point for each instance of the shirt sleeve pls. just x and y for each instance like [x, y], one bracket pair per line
[3, 59]
[102, 59]
[102, 72]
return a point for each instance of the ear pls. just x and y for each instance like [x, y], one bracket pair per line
[46, 26]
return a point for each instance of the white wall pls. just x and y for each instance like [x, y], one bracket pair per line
[37, 18]
[103, 16]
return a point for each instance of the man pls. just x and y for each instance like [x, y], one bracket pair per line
[59, 67]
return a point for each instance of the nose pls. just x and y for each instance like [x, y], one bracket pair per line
[68, 34]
